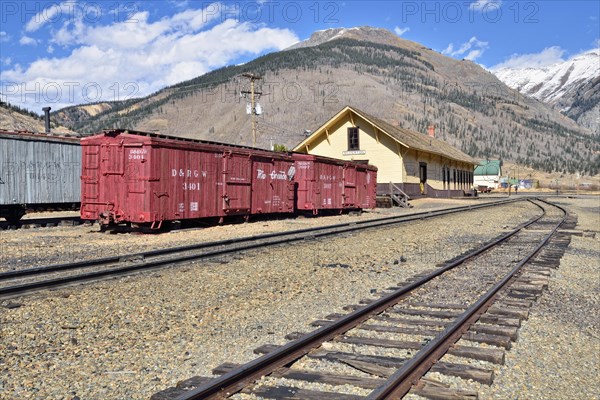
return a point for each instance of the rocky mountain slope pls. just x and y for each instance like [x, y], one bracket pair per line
[369, 68]
[15, 119]
[572, 86]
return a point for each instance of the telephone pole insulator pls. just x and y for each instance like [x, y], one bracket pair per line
[253, 97]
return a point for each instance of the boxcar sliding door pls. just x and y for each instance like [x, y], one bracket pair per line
[237, 184]
[349, 186]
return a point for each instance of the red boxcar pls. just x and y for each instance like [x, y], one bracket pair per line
[145, 179]
[365, 181]
[330, 184]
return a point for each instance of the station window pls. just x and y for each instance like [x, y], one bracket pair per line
[353, 139]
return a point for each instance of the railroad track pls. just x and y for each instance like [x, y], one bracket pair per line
[28, 280]
[48, 222]
[446, 321]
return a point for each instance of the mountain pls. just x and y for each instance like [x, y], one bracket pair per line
[362, 33]
[571, 86]
[374, 70]
[13, 118]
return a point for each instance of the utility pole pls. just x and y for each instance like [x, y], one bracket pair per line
[254, 96]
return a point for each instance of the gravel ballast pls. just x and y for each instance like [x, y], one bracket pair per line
[557, 355]
[44, 246]
[130, 337]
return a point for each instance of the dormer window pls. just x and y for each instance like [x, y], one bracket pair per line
[353, 139]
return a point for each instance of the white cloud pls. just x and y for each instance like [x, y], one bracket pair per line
[548, 56]
[70, 33]
[488, 5]
[7, 61]
[51, 13]
[401, 31]
[27, 41]
[149, 54]
[179, 3]
[4, 37]
[473, 54]
[50, 49]
[137, 30]
[470, 50]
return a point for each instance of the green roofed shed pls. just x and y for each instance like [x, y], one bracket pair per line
[488, 167]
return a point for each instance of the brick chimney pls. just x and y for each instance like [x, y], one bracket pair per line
[431, 131]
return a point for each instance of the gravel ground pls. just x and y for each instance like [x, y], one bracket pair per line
[128, 338]
[557, 355]
[44, 246]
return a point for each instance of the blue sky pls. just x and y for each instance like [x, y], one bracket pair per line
[56, 53]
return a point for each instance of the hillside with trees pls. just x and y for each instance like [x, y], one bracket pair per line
[373, 70]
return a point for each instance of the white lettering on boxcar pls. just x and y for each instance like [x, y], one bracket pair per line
[291, 172]
[187, 173]
[191, 185]
[194, 206]
[260, 174]
[137, 154]
[281, 175]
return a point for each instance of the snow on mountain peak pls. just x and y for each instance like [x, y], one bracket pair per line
[360, 32]
[551, 82]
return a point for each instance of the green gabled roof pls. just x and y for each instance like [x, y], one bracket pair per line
[487, 167]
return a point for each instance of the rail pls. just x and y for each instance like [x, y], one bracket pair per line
[124, 264]
[401, 381]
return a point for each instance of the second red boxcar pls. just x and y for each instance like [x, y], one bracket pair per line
[328, 184]
[146, 179]
[363, 179]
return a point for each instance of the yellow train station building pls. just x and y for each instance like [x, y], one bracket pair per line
[417, 163]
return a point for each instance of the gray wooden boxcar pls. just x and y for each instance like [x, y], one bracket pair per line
[38, 171]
